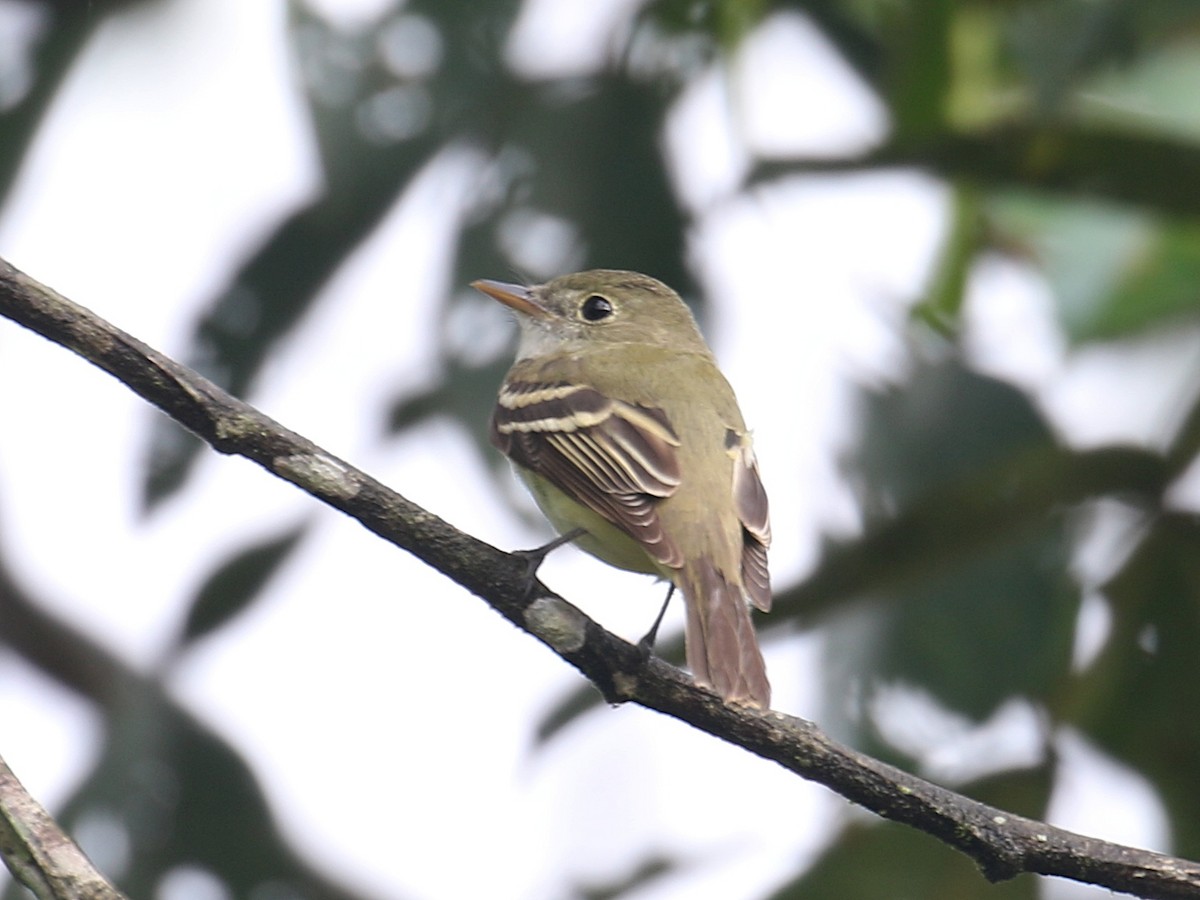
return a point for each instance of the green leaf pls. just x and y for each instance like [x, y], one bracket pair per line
[237, 583]
[1154, 95]
[1115, 271]
[650, 870]
[1058, 44]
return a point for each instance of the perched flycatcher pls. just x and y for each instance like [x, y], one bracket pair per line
[620, 424]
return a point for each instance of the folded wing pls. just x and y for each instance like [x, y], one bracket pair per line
[613, 457]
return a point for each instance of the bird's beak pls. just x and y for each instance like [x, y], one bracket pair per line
[514, 296]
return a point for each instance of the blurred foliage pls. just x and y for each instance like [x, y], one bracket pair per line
[1130, 700]
[235, 585]
[1067, 131]
[980, 624]
[168, 794]
[887, 861]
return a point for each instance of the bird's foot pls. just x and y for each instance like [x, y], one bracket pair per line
[646, 644]
[535, 557]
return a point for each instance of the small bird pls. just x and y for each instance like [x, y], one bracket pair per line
[621, 425]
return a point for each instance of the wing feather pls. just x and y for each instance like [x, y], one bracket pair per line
[613, 457]
[750, 500]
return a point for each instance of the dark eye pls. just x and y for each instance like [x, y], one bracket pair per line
[596, 308]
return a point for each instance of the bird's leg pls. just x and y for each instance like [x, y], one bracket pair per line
[646, 644]
[535, 557]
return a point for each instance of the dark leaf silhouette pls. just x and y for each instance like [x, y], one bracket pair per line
[237, 583]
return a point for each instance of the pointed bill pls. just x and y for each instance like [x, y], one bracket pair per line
[514, 296]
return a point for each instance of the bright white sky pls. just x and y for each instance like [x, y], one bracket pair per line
[173, 147]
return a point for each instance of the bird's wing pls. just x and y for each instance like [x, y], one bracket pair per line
[615, 458]
[750, 500]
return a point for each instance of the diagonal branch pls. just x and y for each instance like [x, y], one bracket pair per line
[39, 854]
[1002, 844]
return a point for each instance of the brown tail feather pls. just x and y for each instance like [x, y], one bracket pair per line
[722, 650]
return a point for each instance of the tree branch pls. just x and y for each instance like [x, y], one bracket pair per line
[1002, 844]
[1074, 161]
[39, 854]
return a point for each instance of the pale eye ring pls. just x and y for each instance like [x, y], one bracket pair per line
[596, 308]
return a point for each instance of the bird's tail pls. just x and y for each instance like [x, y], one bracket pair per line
[722, 650]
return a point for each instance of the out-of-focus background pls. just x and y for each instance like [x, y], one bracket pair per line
[949, 256]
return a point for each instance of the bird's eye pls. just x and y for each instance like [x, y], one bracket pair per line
[595, 308]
